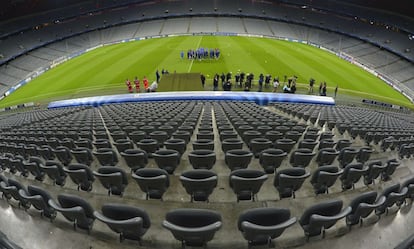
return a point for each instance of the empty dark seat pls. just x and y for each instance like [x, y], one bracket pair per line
[307, 144]
[321, 216]
[149, 145]
[273, 135]
[153, 182]
[284, 144]
[260, 226]
[326, 156]
[375, 169]
[362, 206]
[294, 135]
[182, 134]
[167, 160]
[226, 134]
[82, 155]
[202, 159]
[231, 144]
[271, 159]
[343, 143]
[326, 143]
[160, 136]
[205, 134]
[238, 159]
[288, 181]
[392, 165]
[81, 175]
[257, 145]
[301, 157]
[123, 144]
[246, 183]
[63, 154]
[203, 144]
[33, 165]
[135, 158]
[193, 227]
[346, 156]
[199, 184]
[114, 179]
[177, 144]
[130, 222]
[351, 175]
[137, 135]
[102, 143]
[39, 199]
[106, 156]
[324, 177]
[55, 172]
[395, 195]
[10, 189]
[364, 154]
[74, 209]
[249, 135]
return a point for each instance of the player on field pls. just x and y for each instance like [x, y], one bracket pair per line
[129, 85]
[145, 81]
[136, 83]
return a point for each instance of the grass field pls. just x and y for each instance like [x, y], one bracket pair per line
[104, 70]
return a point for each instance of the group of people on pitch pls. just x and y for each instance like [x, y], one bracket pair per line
[147, 88]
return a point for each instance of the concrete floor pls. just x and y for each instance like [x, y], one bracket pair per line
[29, 230]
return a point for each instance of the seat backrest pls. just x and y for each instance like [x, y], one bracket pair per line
[125, 212]
[70, 201]
[326, 208]
[264, 216]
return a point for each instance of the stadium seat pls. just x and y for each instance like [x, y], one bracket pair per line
[238, 159]
[81, 175]
[321, 216]
[324, 177]
[351, 175]
[362, 206]
[326, 156]
[112, 178]
[82, 155]
[288, 181]
[74, 209]
[199, 184]
[39, 199]
[301, 157]
[395, 195]
[167, 160]
[271, 159]
[135, 158]
[130, 222]
[123, 144]
[231, 144]
[193, 227]
[202, 159]
[246, 183]
[63, 154]
[260, 226]
[106, 156]
[54, 170]
[153, 182]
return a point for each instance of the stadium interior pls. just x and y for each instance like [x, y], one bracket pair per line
[225, 171]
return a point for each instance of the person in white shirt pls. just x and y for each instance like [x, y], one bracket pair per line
[153, 87]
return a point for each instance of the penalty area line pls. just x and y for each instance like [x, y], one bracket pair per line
[192, 61]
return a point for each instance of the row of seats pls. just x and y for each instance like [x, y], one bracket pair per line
[200, 183]
[195, 227]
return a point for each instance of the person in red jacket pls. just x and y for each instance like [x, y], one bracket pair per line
[129, 85]
[136, 82]
[145, 81]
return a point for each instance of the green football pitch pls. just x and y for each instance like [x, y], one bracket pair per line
[104, 70]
